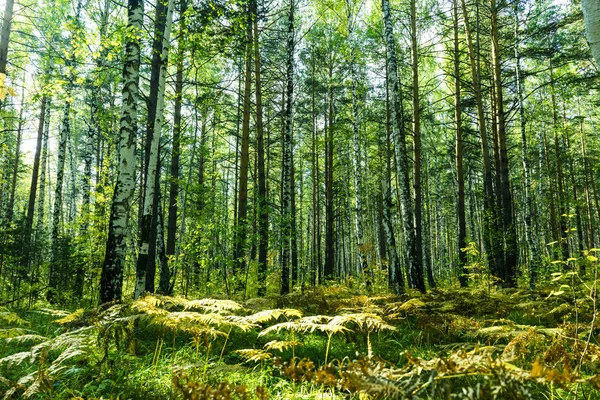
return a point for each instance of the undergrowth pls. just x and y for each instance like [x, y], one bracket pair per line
[325, 343]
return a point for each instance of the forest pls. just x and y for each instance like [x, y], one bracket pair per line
[299, 199]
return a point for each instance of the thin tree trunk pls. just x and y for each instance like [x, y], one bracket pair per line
[562, 201]
[263, 207]
[395, 276]
[111, 282]
[176, 146]
[356, 143]
[511, 249]
[16, 163]
[39, 231]
[329, 267]
[241, 224]
[494, 254]
[55, 263]
[165, 272]
[415, 267]
[286, 167]
[160, 21]
[293, 225]
[144, 261]
[316, 215]
[588, 200]
[34, 181]
[417, 146]
[460, 175]
[534, 251]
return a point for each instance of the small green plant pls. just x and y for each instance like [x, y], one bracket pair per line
[479, 274]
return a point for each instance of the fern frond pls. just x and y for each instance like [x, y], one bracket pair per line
[314, 323]
[213, 305]
[241, 323]
[410, 306]
[286, 326]
[10, 318]
[71, 317]
[26, 339]
[255, 355]
[15, 359]
[173, 319]
[68, 354]
[281, 345]
[52, 312]
[12, 332]
[364, 321]
[264, 316]
[149, 305]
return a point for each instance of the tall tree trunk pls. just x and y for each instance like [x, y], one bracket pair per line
[494, 253]
[16, 163]
[329, 267]
[5, 37]
[511, 249]
[293, 224]
[39, 231]
[286, 167]
[562, 201]
[263, 205]
[415, 267]
[160, 21]
[144, 261]
[34, 181]
[111, 283]
[534, 251]
[395, 276]
[588, 200]
[177, 129]
[241, 224]
[316, 205]
[460, 175]
[56, 262]
[417, 144]
[356, 143]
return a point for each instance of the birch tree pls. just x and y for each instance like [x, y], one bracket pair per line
[591, 15]
[414, 266]
[111, 283]
[152, 168]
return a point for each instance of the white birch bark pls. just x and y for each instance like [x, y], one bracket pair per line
[116, 244]
[140, 284]
[415, 272]
[591, 16]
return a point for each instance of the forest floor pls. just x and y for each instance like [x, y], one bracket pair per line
[327, 343]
